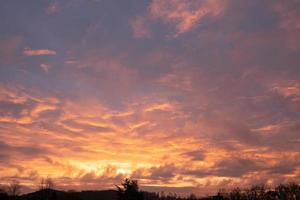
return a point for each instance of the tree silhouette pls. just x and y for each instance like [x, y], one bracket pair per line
[3, 194]
[129, 190]
[46, 187]
[14, 189]
[235, 194]
[46, 184]
[192, 197]
[288, 191]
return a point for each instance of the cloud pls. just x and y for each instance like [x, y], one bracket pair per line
[53, 8]
[140, 28]
[163, 172]
[56, 6]
[291, 90]
[86, 127]
[195, 155]
[23, 108]
[38, 52]
[21, 151]
[177, 81]
[282, 169]
[288, 13]
[45, 67]
[71, 62]
[236, 167]
[217, 106]
[289, 21]
[185, 14]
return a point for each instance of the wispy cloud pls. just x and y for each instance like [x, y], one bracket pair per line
[38, 52]
[140, 28]
[185, 14]
[291, 90]
[53, 8]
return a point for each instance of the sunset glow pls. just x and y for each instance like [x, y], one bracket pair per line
[183, 95]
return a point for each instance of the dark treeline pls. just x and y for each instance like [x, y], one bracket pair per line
[129, 190]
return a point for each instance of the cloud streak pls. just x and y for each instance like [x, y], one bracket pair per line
[38, 52]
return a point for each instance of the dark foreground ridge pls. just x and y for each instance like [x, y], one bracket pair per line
[129, 190]
[50, 194]
[62, 195]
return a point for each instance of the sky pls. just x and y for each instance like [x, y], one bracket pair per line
[183, 95]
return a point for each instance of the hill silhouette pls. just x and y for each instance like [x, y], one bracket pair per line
[71, 195]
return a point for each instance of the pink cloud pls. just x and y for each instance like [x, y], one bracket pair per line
[291, 90]
[140, 28]
[288, 13]
[185, 14]
[38, 52]
[53, 8]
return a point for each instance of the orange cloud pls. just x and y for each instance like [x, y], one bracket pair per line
[38, 52]
[83, 142]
